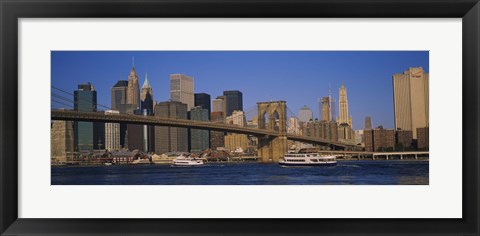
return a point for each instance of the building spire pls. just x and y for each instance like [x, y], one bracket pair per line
[146, 84]
[133, 61]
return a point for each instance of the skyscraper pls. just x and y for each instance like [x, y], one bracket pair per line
[181, 90]
[410, 98]
[85, 98]
[199, 139]
[171, 139]
[305, 114]
[112, 133]
[119, 103]
[326, 111]
[147, 102]
[133, 91]
[218, 104]
[146, 96]
[368, 123]
[343, 105]
[217, 138]
[203, 100]
[233, 101]
[135, 135]
[119, 94]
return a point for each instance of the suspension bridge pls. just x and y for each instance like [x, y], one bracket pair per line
[271, 119]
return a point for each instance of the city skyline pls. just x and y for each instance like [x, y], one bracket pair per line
[300, 78]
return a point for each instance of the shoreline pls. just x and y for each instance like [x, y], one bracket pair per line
[238, 162]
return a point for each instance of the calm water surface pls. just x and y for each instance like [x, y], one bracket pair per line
[379, 172]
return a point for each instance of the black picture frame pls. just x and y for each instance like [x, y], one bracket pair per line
[11, 11]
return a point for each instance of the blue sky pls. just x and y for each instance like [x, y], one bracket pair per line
[298, 77]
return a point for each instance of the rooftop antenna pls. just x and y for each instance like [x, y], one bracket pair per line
[133, 61]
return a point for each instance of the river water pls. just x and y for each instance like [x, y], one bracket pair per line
[363, 172]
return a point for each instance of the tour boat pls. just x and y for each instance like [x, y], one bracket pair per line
[187, 161]
[307, 159]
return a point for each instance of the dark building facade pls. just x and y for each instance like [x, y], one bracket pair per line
[119, 94]
[233, 101]
[404, 138]
[422, 138]
[203, 100]
[199, 139]
[147, 106]
[135, 134]
[119, 101]
[171, 139]
[86, 137]
[383, 139]
[217, 138]
[368, 138]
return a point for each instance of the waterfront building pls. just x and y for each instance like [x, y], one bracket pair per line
[181, 90]
[119, 103]
[147, 101]
[112, 133]
[62, 141]
[86, 137]
[203, 100]
[133, 91]
[368, 137]
[379, 139]
[199, 139]
[305, 114]
[410, 98]
[404, 138]
[233, 101]
[171, 139]
[344, 118]
[326, 110]
[383, 139]
[422, 138]
[368, 123]
[217, 138]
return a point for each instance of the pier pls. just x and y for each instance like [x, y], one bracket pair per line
[348, 155]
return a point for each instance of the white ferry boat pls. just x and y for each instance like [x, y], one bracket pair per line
[307, 159]
[187, 161]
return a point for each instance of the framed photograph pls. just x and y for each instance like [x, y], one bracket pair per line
[247, 118]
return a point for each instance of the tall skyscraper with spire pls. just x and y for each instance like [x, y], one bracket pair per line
[343, 106]
[133, 91]
[146, 96]
[147, 106]
[345, 131]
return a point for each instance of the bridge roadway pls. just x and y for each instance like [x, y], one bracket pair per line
[161, 121]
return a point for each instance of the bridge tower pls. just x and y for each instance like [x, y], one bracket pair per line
[272, 116]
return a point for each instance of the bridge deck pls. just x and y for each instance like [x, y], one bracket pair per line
[161, 121]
